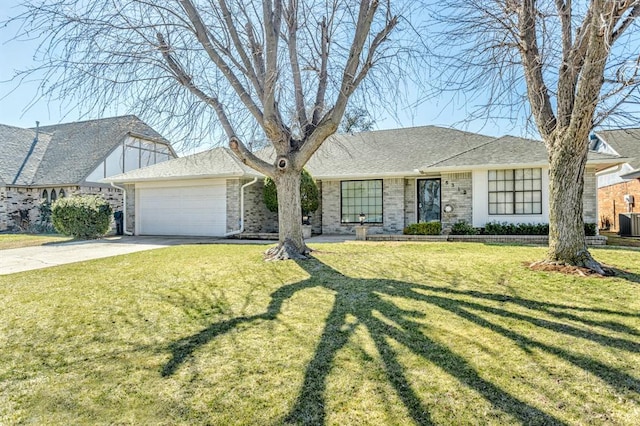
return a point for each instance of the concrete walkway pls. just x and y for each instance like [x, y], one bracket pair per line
[39, 257]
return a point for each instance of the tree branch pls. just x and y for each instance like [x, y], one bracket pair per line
[536, 88]
[202, 35]
[249, 158]
[292, 43]
[185, 80]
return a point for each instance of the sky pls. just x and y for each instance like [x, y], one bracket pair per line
[19, 106]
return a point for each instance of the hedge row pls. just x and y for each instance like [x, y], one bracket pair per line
[491, 228]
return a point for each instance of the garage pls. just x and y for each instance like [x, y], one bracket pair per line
[196, 208]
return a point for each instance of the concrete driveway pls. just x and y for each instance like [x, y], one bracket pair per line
[38, 257]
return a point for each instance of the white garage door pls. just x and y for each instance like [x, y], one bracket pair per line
[198, 210]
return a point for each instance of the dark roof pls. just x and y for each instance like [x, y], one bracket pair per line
[626, 142]
[19, 155]
[64, 153]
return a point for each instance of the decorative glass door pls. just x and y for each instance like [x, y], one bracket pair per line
[428, 200]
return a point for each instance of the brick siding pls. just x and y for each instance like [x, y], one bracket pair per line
[456, 191]
[611, 202]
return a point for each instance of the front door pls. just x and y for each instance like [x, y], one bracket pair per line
[428, 200]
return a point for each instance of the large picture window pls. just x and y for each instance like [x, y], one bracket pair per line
[516, 191]
[361, 196]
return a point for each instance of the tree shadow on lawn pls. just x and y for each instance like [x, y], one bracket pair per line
[368, 300]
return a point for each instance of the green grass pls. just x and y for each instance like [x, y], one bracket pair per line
[368, 333]
[8, 241]
[614, 239]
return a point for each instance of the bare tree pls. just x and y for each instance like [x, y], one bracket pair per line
[356, 120]
[567, 65]
[250, 62]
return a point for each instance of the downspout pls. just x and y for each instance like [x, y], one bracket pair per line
[241, 230]
[124, 209]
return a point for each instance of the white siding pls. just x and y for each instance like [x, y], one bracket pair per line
[480, 193]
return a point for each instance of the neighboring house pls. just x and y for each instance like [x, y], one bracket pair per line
[45, 163]
[621, 184]
[395, 177]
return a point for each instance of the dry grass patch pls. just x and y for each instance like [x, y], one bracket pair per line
[9, 241]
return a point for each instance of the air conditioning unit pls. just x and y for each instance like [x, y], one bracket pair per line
[629, 224]
[629, 200]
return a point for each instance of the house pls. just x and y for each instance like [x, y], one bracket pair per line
[395, 177]
[45, 163]
[619, 187]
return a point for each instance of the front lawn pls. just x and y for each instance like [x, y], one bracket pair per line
[367, 333]
[8, 241]
[614, 239]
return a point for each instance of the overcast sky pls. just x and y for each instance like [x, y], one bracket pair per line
[18, 106]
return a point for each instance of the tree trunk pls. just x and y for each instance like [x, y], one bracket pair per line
[290, 241]
[567, 242]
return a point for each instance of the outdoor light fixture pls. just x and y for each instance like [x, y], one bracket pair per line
[362, 217]
[305, 219]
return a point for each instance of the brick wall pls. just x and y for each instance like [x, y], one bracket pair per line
[131, 208]
[15, 199]
[4, 219]
[410, 193]
[611, 201]
[393, 200]
[112, 195]
[589, 197]
[456, 191]
[257, 218]
[393, 208]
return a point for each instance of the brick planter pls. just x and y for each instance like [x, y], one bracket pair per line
[598, 240]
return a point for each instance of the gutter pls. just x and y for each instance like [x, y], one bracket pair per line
[124, 209]
[615, 169]
[241, 230]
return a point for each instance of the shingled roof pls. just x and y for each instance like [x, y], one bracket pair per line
[64, 153]
[20, 154]
[507, 151]
[384, 153]
[625, 142]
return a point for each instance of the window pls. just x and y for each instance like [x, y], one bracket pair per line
[45, 195]
[361, 196]
[61, 193]
[515, 191]
[53, 195]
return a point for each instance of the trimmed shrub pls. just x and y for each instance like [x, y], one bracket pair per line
[309, 194]
[496, 228]
[463, 228]
[423, 228]
[590, 229]
[504, 228]
[84, 217]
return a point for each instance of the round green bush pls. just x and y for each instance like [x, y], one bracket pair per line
[309, 194]
[84, 216]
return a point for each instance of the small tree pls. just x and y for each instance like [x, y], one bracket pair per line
[309, 194]
[83, 217]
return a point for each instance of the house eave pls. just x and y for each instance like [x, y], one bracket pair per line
[604, 163]
[360, 176]
[182, 178]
